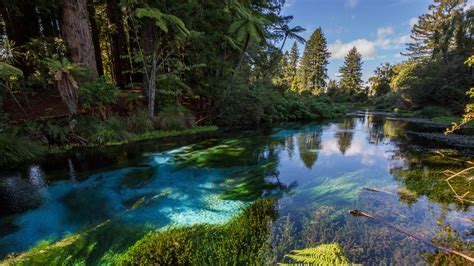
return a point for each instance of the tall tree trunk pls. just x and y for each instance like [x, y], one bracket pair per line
[76, 32]
[151, 84]
[121, 64]
[239, 65]
[95, 36]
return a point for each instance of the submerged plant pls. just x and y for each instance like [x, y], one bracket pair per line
[238, 242]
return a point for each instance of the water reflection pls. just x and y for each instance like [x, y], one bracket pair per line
[316, 171]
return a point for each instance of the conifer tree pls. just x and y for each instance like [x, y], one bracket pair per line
[313, 67]
[351, 72]
[293, 60]
[435, 31]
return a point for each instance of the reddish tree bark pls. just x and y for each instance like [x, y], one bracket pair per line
[76, 33]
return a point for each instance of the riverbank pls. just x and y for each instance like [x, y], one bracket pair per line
[17, 150]
[149, 135]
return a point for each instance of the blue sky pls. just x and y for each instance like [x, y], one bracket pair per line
[378, 28]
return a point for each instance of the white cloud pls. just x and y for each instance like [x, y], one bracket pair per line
[289, 3]
[413, 21]
[384, 31]
[365, 47]
[351, 3]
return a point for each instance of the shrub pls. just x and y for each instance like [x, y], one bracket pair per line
[432, 111]
[15, 149]
[174, 117]
[140, 122]
[98, 96]
[112, 129]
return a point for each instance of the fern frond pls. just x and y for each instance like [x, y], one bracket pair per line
[328, 254]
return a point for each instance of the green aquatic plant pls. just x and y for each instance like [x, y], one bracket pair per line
[238, 242]
[100, 245]
[253, 183]
[407, 195]
[327, 254]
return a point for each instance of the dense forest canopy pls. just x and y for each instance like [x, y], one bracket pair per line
[76, 71]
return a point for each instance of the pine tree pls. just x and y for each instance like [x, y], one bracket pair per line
[293, 60]
[434, 33]
[351, 72]
[313, 68]
[281, 75]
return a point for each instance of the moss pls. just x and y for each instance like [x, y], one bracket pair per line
[407, 195]
[240, 241]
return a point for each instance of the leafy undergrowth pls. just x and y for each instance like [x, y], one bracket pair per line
[241, 241]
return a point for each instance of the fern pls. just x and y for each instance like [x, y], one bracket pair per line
[328, 254]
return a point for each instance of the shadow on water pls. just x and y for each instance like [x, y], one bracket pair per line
[317, 172]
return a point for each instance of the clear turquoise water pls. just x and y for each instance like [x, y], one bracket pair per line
[317, 171]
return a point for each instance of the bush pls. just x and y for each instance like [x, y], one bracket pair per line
[98, 96]
[174, 117]
[15, 149]
[140, 122]
[112, 129]
[432, 111]
[263, 103]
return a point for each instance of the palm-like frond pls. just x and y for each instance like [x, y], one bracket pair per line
[328, 254]
[249, 25]
[162, 20]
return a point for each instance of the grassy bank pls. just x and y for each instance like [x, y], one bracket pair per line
[149, 135]
[17, 148]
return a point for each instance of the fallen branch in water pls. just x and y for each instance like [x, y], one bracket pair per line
[379, 191]
[358, 213]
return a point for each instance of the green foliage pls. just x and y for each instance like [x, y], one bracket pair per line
[249, 26]
[263, 104]
[163, 21]
[140, 121]
[237, 242]
[8, 72]
[312, 72]
[380, 82]
[98, 96]
[328, 254]
[429, 82]
[110, 130]
[432, 111]
[15, 149]
[174, 117]
[99, 245]
[351, 72]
